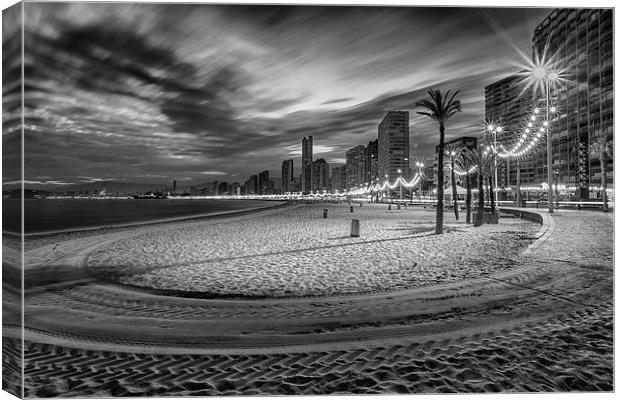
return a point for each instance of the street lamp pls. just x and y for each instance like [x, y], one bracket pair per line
[386, 185]
[419, 165]
[400, 183]
[545, 74]
[406, 160]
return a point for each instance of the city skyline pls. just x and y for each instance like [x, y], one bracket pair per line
[167, 98]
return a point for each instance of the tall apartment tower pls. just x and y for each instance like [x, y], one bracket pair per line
[320, 175]
[581, 42]
[372, 161]
[263, 182]
[339, 178]
[287, 176]
[356, 166]
[394, 145]
[251, 185]
[508, 103]
[306, 165]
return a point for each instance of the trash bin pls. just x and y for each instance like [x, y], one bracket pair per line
[355, 228]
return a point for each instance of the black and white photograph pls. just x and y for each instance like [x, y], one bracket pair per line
[221, 199]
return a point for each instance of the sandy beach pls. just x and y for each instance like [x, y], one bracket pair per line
[300, 253]
[409, 319]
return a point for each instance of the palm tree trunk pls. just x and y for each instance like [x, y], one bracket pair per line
[468, 198]
[556, 192]
[480, 215]
[604, 182]
[439, 216]
[454, 191]
[518, 183]
[491, 195]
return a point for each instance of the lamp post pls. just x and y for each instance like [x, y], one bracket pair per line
[406, 160]
[452, 182]
[386, 185]
[549, 77]
[556, 174]
[542, 73]
[495, 130]
[419, 165]
[400, 183]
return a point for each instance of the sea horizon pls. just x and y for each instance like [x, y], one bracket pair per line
[52, 215]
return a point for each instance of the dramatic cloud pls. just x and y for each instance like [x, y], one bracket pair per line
[154, 92]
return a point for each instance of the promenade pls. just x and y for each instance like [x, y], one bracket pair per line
[542, 320]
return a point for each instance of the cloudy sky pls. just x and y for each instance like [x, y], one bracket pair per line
[154, 92]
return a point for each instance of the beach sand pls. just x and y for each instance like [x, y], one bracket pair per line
[505, 322]
[300, 253]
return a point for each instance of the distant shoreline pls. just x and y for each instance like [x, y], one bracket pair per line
[186, 217]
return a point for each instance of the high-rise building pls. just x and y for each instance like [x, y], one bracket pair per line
[509, 104]
[306, 165]
[287, 176]
[251, 185]
[372, 161]
[263, 182]
[235, 189]
[394, 145]
[339, 179]
[296, 185]
[356, 166]
[581, 43]
[222, 188]
[320, 175]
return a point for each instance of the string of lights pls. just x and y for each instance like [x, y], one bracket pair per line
[385, 185]
[462, 173]
[534, 130]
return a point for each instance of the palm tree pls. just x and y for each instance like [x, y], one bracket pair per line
[466, 160]
[482, 160]
[491, 194]
[452, 152]
[440, 108]
[602, 148]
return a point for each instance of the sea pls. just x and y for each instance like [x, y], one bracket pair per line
[49, 215]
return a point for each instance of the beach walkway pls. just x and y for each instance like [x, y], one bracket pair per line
[544, 324]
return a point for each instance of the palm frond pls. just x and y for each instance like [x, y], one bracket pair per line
[466, 159]
[440, 107]
[601, 147]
